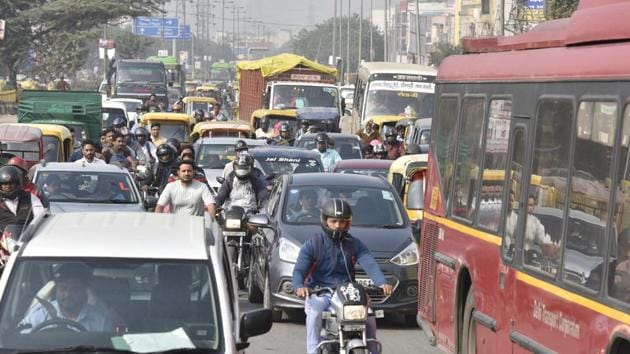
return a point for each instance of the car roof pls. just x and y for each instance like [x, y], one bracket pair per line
[71, 166]
[230, 140]
[120, 235]
[334, 136]
[337, 179]
[363, 163]
[282, 151]
[114, 104]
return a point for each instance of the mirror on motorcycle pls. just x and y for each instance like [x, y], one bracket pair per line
[254, 323]
[220, 179]
[150, 202]
[259, 220]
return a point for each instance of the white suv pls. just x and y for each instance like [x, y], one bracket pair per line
[122, 281]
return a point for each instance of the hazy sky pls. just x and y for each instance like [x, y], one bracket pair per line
[280, 14]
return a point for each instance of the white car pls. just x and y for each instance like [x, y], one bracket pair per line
[142, 282]
[112, 110]
[131, 104]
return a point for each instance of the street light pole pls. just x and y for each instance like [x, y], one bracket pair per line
[385, 39]
[371, 30]
[418, 42]
[334, 39]
[360, 34]
[348, 40]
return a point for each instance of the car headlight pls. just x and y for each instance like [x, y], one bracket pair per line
[233, 223]
[408, 256]
[354, 313]
[288, 251]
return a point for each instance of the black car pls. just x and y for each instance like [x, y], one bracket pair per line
[347, 145]
[379, 220]
[280, 160]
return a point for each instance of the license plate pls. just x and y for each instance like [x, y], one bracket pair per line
[234, 233]
[366, 282]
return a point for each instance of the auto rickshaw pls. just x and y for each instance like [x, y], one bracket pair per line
[222, 129]
[21, 140]
[386, 123]
[408, 176]
[419, 133]
[321, 118]
[276, 117]
[172, 125]
[208, 90]
[190, 87]
[57, 139]
[195, 102]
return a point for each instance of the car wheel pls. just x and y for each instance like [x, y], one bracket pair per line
[254, 295]
[469, 330]
[276, 315]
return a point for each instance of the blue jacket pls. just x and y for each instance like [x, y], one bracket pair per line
[330, 269]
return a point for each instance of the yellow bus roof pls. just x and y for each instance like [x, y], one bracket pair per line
[165, 116]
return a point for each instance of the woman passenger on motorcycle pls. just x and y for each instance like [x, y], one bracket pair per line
[338, 251]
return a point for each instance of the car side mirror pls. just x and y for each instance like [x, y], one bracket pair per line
[255, 323]
[220, 179]
[259, 220]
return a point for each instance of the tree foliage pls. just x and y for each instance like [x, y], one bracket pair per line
[560, 8]
[443, 50]
[316, 44]
[130, 45]
[57, 29]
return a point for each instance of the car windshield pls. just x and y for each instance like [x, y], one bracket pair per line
[131, 105]
[148, 74]
[280, 165]
[215, 156]
[347, 149]
[371, 207]
[86, 187]
[178, 131]
[137, 305]
[300, 96]
[110, 113]
[381, 172]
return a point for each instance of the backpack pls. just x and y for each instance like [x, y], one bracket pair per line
[318, 246]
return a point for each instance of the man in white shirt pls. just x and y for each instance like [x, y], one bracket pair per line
[535, 234]
[185, 196]
[89, 154]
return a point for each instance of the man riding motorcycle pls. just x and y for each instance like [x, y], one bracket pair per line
[17, 206]
[167, 162]
[328, 259]
[199, 115]
[285, 137]
[241, 187]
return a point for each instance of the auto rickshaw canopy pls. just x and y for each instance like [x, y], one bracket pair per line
[57, 141]
[273, 115]
[21, 140]
[222, 129]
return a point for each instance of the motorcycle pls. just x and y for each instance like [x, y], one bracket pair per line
[233, 224]
[9, 242]
[344, 327]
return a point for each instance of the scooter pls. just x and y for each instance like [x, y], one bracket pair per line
[344, 329]
[233, 224]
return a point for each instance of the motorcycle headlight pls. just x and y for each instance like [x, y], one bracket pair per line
[354, 313]
[408, 256]
[288, 251]
[233, 223]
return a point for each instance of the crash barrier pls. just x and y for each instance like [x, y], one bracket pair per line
[8, 96]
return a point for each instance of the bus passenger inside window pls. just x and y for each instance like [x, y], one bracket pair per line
[540, 251]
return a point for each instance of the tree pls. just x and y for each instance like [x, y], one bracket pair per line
[442, 50]
[130, 45]
[316, 44]
[560, 8]
[45, 24]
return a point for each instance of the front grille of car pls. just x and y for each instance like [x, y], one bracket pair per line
[376, 296]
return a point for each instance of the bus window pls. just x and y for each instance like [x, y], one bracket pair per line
[543, 225]
[588, 215]
[493, 180]
[514, 196]
[444, 141]
[468, 158]
[619, 272]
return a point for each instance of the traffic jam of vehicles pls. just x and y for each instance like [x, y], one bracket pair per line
[480, 203]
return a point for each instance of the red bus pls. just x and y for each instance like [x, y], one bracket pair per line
[537, 260]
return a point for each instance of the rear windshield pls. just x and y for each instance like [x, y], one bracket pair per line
[286, 165]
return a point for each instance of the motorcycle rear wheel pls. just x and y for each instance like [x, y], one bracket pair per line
[359, 351]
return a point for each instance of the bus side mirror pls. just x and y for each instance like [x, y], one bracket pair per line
[343, 106]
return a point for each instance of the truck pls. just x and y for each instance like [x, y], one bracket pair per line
[221, 72]
[132, 78]
[285, 81]
[79, 110]
[175, 71]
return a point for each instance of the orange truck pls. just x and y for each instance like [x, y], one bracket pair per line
[285, 81]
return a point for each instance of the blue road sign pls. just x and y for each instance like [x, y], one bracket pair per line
[167, 28]
[185, 33]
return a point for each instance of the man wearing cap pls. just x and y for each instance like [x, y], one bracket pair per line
[71, 303]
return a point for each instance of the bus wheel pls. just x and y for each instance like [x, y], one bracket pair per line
[469, 330]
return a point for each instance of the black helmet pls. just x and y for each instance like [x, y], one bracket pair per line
[166, 153]
[142, 132]
[174, 143]
[11, 174]
[243, 166]
[119, 122]
[199, 114]
[241, 145]
[339, 209]
[284, 127]
[322, 138]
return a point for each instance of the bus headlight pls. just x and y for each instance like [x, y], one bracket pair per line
[408, 256]
[288, 251]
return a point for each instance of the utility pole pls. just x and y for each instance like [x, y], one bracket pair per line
[360, 56]
[371, 30]
[418, 42]
[174, 49]
[502, 18]
[340, 27]
[385, 38]
[222, 24]
[334, 39]
[348, 40]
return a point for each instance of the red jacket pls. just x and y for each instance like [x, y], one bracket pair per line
[30, 187]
